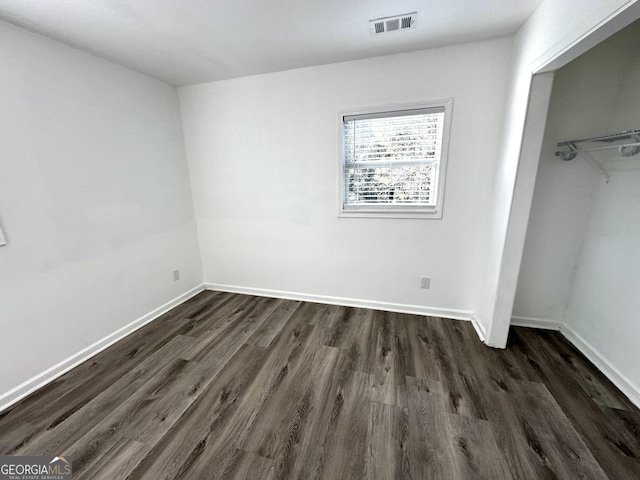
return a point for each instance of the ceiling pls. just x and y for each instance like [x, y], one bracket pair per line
[192, 41]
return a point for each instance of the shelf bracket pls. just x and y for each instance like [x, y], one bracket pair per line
[595, 165]
[573, 152]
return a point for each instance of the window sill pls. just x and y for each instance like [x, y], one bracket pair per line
[431, 214]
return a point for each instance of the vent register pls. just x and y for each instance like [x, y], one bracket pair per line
[393, 24]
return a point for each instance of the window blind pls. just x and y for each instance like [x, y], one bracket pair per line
[392, 158]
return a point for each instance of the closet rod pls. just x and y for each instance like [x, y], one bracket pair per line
[626, 149]
[605, 138]
[621, 148]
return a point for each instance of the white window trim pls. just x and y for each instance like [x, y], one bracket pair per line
[390, 211]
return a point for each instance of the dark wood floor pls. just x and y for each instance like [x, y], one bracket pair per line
[234, 386]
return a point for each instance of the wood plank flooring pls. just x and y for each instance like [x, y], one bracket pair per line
[229, 386]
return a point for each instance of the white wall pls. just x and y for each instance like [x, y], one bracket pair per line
[263, 159]
[582, 255]
[556, 26]
[94, 201]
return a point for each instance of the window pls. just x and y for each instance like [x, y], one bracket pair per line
[394, 161]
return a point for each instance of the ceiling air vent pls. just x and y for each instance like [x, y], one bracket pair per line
[395, 23]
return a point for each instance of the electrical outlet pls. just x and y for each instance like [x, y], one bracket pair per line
[176, 275]
[425, 282]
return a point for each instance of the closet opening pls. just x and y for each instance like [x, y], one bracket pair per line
[580, 269]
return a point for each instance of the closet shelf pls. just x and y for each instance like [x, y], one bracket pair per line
[628, 149]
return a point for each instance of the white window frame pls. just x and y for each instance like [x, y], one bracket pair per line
[393, 211]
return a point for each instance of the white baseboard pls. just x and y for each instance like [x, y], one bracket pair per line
[626, 386]
[347, 302]
[480, 330]
[18, 393]
[533, 322]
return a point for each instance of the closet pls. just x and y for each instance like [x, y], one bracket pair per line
[580, 270]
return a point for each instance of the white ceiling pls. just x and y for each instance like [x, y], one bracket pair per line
[192, 41]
